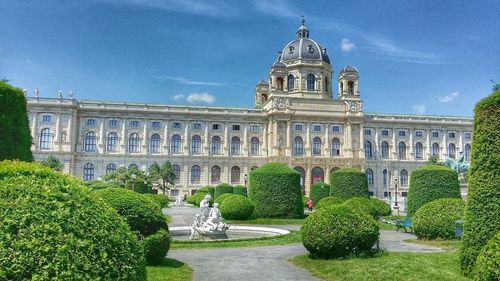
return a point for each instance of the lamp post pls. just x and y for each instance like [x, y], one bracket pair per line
[396, 194]
[245, 179]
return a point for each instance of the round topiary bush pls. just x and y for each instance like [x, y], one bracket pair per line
[482, 213]
[436, 219]
[431, 182]
[141, 214]
[487, 265]
[54, 230]
[222, 189]
[161, 200]
[240, 190]
[223, 197]
[319, 190]
[346, 183]
[236, 207]
[275, 192]
[372, 206]
[10, 168]
[156, 247]
[329, 201]
[380, 208]
[339, 231]
[208, 189]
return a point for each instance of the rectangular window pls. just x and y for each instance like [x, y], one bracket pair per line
[387, 194]
[156, 125]
[254, 128]
[404, 194]
[368, 132]
[385, 133]
[215, 127]
[174, 192]
[317, 128]
[451, 135]
[402, 133]
[435, 134]
[336, 129]
[418, 134]
[134, 124]
[370, 193]
[47, 118]
[298, 127]
[91, 122]
[176, 125]
[467, 135]
[196, 126]
[113, 123]
[236, 127]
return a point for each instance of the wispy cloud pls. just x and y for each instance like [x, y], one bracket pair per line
[276, 8]
[214, 8]
[346, 45]
[177, 97]
[419, 108]
[185, 81]
[200, 98]
[449, 97]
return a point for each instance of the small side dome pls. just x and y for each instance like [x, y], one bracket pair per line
[263, 83]
[349, 68]
[278, 63]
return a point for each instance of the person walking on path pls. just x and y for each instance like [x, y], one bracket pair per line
[310, 204]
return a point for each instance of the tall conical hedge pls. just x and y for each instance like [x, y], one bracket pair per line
[482, 218]
[15, 142]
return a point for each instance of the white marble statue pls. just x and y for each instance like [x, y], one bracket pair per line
[178, 201]
[208, 223]
[205, 206]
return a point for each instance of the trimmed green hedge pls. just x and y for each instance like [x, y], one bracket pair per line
[15, 142]
[329, 201]
[431, 182]
[347, 183]
[156, 247]
[240, 190]
[159, 199]
[319, 190]
[381, 208]
[436, 219]
[372, 206]
[141, 214]
[339, 231]
[15, 168]
[208, 189]
[236, 207]
[54, 230]
[275, 192]
[222, 189]
[482, 217]
[487, 266]
[223, 197]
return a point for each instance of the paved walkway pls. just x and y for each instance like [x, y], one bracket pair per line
[245, 263]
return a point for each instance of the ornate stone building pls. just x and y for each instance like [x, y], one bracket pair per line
[297, 120]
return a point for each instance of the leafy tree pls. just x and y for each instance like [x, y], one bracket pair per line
[433, 160]
[53, 163]
[131, 178]
[164, 174]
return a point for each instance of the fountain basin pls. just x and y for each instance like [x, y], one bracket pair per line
[234, 232]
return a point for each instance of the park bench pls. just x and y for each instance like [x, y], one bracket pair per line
[406, 223]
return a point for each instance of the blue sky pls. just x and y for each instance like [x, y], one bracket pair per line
[427, 57]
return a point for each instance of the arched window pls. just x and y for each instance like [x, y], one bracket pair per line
[290, 82]
[195, 174]
[402, 150]
[369, 176]
[254, 146]
[133, 143]
[384, 177]
[317, 175]
[451, 151]
[302, 175]
[196, 145]
[46, 139]
[419, 151]
[350, 88]
[368, 150]
[316, 146]
[215, 174]
[298, 146]
[326, 85]
[112, 143]
[175, 145]
[311, 80]
[154, 143]
[90, 142]
[385, 150]
[177, 172]
[215, 145]
[467, 152]
[435, 150]
[235, 146]
[403, 175]
[88, 172]
[110, 168]
[335, 147]
[279, 84]
[263, 98]
[235, 174]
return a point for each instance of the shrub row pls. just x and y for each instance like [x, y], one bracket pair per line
[329, 201]
[159, 199]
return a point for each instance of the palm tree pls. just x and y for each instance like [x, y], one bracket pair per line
[164, 174]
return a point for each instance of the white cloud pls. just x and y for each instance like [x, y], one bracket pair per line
[184, 81]
[449, 97]
[178, 97]
[276, 8]
[419, 108]
[346, 45]
[200, 97]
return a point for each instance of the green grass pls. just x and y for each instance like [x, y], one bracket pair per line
[292, 237]
[387, 226]
[170, 270]
[267, 221]
[448, 245]
[169, 218]
[387, 267]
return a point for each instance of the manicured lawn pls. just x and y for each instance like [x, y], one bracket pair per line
[387, 267]
[170, 270]
[387, 226]
[292, 237]
[267, 221]
[448, 245]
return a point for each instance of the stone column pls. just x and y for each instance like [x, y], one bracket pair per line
[264, 140]
[123, 138]
[412, 156]
[245, 140]
[57, 138]
[327, 141]
[307, 179]
[308, 140]
[289, 138]
[226, 140]
[460, 141]
[145, 137]
[166, 138]
[394, 145]
[428, 142]
[348, 143]
[362, 143]
[101, 132]
[445, 147]
[378, 154]
[186, 139]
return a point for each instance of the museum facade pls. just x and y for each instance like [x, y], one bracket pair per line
[298, 120]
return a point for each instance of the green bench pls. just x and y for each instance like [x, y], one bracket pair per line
[406, 223]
